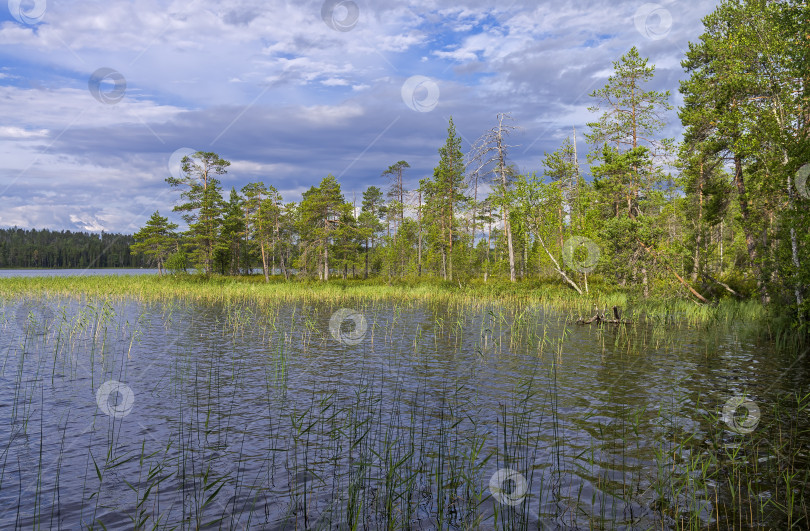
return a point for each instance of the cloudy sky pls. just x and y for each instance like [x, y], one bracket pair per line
[100, 99]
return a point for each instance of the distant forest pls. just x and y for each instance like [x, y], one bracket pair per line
[65, 249]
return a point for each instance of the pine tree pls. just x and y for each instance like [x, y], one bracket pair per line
[396, 213]
[228, 251]
[156, 240]
[322, 224]
[372, 211]
[630, 155]
[203, 203]
[746, 103]
[443, 196]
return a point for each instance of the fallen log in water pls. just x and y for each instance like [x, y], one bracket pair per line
[600, 317]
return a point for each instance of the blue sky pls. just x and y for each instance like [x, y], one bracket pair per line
[290, 92]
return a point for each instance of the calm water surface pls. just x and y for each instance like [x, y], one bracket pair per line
[291, 416]
[6, 273]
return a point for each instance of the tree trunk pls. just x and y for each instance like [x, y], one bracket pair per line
[489, 240]
[506, 225]
[523, 265]
[489, 243]
[264, 264]
[696, 260]
[450, 248]
[419, 249]
[749, 236]
[680, 279]
[283, 266]
[794, 250]
[576, 187]
[557, 266]
[247, 244]
[444, 262]
[644, 281]
[326, 261]
[508, 228]
[720, 270]
[365, 275]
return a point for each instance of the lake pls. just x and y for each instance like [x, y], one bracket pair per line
[138, 414]
[6, 273]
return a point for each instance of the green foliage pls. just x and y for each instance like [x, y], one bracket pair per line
[444, 195]
[631, 116]
[156, 240]
[746, 102]
[177, 263]
[723, 220]
[325, 224]
[229, 245]
[203, 204]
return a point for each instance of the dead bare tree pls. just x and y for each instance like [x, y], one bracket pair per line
[488, 157]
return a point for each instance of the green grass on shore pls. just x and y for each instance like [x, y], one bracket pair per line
[218, 289]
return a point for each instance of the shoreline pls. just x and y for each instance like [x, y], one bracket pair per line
[220, 289]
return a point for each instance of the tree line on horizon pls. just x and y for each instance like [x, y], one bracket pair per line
[44, 248]
[721, 213]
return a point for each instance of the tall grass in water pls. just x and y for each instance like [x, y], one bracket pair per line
[256, 418]
[229, 290]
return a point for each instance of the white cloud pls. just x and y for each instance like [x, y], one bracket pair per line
[87, 222]
[331, 115]
[248, 166]
[335, 82]
[19, 132]
[270, 78]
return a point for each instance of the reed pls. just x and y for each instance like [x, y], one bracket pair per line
[231, 290]
[248, 414]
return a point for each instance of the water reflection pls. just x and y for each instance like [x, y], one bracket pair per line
[232, 415]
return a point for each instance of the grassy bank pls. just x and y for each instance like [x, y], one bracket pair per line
[551, 295]
[667, 308]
